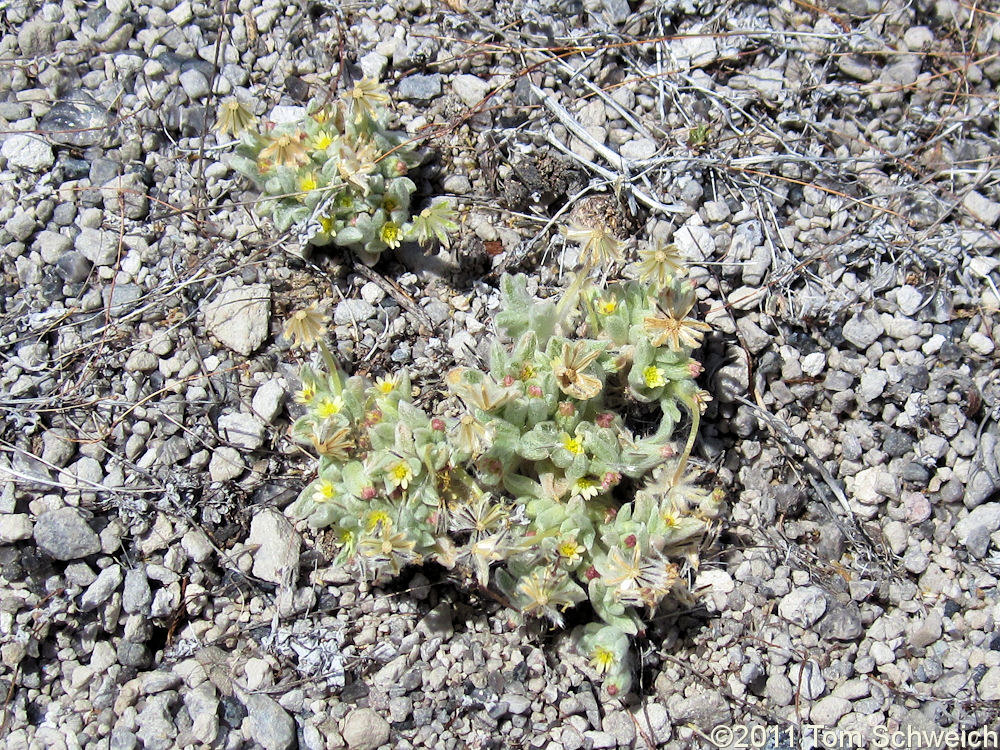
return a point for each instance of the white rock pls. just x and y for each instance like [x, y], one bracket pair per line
[268, 399]
[909, 299]
[873, 485]
[226, 464]
[470, 89]
[989, 685]
[813, 364]
[981, 343]
[284, 113]
[277, 545]
[803, 605]
[872, 385]
[982, 208]
[364, 729]
[14, 527]
[242, 430]
[239, 316]
[28, 152]
[641, 148]
[828, 711]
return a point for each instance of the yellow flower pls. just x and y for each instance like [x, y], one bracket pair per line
[377, 518]
[326, 224]
[306, 394]
[322, 141]
[329, 407]
[573, 444]
[307, 183]
[606, 307]
[603, 659]
[324, 492]
[570, 550]
[652, 376]
[306, 325]
[387, 384]
[233, 117]
[586, 487]
[670, 519]
[401, 474]
[659, 263]
[390, 234]
[569, 368]
[286, 150]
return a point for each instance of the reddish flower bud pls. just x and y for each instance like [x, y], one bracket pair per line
[667, 451]
[591, 573]
[605, 419]
[610, 479]
[610, 514]
[695, 368]
[437, 424]
[612, 690]
[367, 493]
[534, 391]
[566, 409]
[630, 541]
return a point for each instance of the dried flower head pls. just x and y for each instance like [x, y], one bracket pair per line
[233, 118]
[285, 150]
[306, 326]
[365, 98]
[659, 263]
[569, 371]
[599, 245]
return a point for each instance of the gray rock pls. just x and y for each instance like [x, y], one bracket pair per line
[121, 299]
[64, 535]
[267, 400]
[156, 728]
[778, 689]
[829, 710]
[989, 685]
[98, 246]
[350, 311]
[984, 519]
[277, 544]
[704, 708]
[803, 605]
[984, 478]
[909, 299]
[420, 87]
[203, 707]
[808, 679]
[226, 464]
[872, 385]
[470, 89]
[28, 152]
[106, 583]
[57, 447]
[642, 148]
[14, 527]
[928, 631]
[137, 594]
[982, 208]
[272, 726]
[437, 622]
[76, 120]
[842, 623]
[242, 430]
[73, 267]
[52, 246]
[21, 225]
[240, 316]
[363, 729]
[195, 84]
[863, 329]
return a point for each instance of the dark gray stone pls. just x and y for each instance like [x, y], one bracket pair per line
[64, 534]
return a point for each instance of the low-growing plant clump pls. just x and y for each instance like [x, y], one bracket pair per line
[338, 174]
[541, 486]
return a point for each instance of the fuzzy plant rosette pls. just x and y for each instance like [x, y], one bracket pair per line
[339, 174]
[538, 487]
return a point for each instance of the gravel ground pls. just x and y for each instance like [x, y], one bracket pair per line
[831, 173]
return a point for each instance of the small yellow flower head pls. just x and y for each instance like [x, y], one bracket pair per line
[324, 492]
[586, 487]
[603, 659]
[306, 326]
[607, 306]
[390, 234]
[377, 518]
[573, 444]
[322, 141]
[401, 474]
[326, 224]
[233, 118]
[387, 384]
[652, 376]
[308, 183]
[306, 394]
[329, 407]
[670, 518]
[570, 550]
